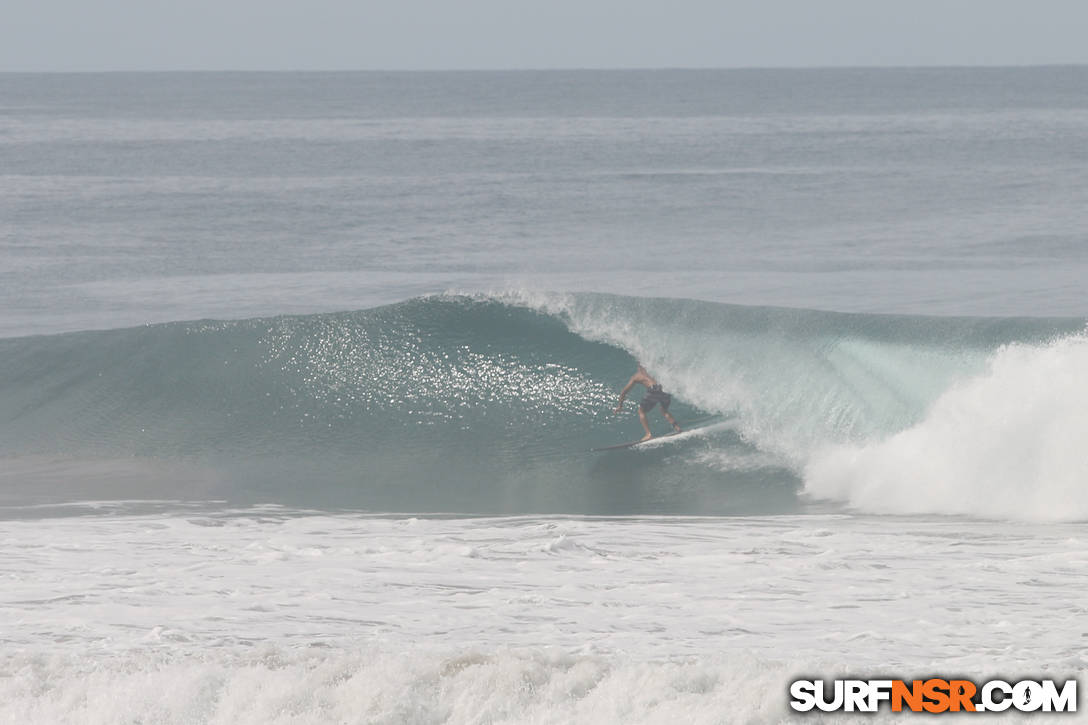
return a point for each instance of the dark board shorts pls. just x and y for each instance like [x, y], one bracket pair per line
[654, 396]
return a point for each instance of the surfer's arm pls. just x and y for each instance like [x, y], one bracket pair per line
[623, 393]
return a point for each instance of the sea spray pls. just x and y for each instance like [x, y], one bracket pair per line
[1007, 443]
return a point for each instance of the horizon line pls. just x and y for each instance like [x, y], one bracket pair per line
[568, 69]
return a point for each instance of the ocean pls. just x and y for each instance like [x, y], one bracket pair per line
[300, 375]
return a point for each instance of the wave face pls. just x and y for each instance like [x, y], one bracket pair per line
[490, 404]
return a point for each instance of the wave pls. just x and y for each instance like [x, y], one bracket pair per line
[489, 403]
[1008, 443]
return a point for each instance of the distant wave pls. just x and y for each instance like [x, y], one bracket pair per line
[490, 403]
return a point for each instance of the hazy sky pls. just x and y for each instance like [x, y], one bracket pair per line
[440, 34]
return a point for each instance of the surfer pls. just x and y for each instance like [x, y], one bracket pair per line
[654, 395]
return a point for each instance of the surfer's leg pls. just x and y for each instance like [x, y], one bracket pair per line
[645, 424]
[665, 402]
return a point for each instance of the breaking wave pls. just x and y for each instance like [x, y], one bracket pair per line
[481, 404]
